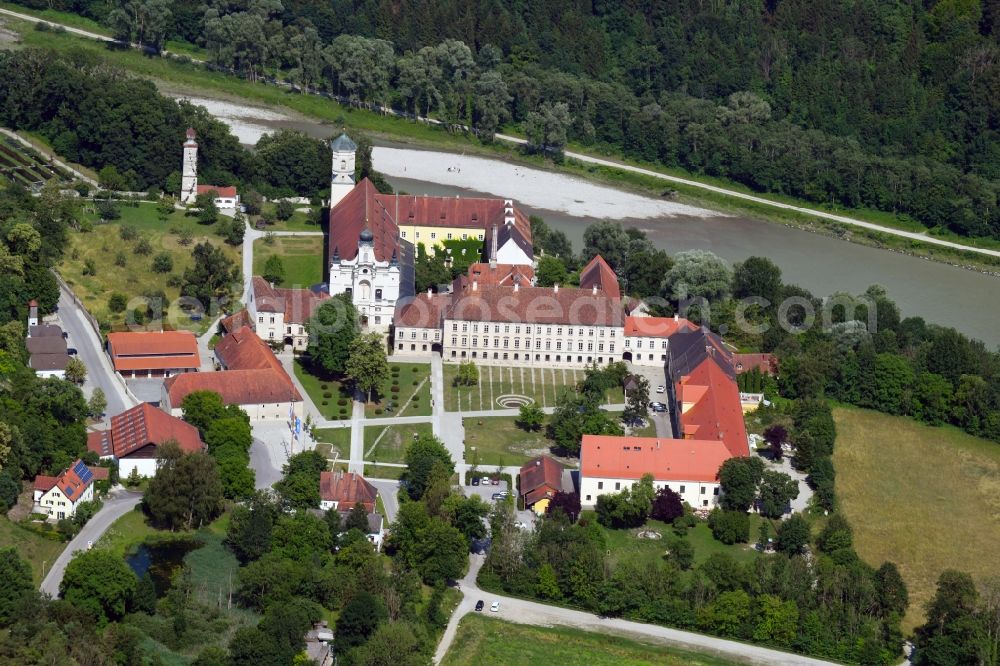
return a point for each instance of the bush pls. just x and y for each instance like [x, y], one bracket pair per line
[343, 411]
[117, 302]
[324, 386]
[730, 527]
[163, 263]
[394, 389]
[175, 281]
[82, 188]
[378, 411]
[143, 247]
[120, 259]
[128, 233]
[416, 383]
[324, 403]
[327, 395]
[342, 402]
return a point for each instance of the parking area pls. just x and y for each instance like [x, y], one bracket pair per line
[146, 390]
[657, 378]
[486, 492]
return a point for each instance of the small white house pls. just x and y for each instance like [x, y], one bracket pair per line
[58, 496]
[226, 198]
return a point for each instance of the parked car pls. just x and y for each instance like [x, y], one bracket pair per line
[486, 480]
[475, 480]
[71, 351]
[495, 606]
[496, 481]
[479, 605]
[495, 496]
[661, 389]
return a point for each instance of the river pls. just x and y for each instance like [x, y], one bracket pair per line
[940, 293]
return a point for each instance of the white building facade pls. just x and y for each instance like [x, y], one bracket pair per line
[189, 169]
[374, 284]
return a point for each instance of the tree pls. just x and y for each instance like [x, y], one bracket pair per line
[284, 209]
[163, 263]
[757, 277]
[629, 508]
[202, 408]
[208, 212]
[566, 503]
[274, 269]
[546, 128]
[212, 277]
[302, 537]
[442, 552]
[698, 274]
[234, 230]
[250, 527]
[186, 490]
[97, 403]
[890, 589]
[17, 584]
[391, 644]
[636, 409]
[117, 302]
[894, 379]
[530, 417]
[793, 535]
[468, 374]
[359, 620]
[423, 455]
[367, 367]
[575, 416]
[144, 599]
[739, 478]
[776, 435]
[76, 371]
[776, 491]
[680, 552]
[228, 431]
[729, 527]
[143, 247]
[551, 271]
[777, 622]
[235, 474]
[667, 505]
[299, 489]
[98, 582]
[332, 331]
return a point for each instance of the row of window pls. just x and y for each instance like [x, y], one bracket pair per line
[618, 486]
[528, 330]
[527, 357]
[652, 344]
[423, 335]
[527, 344]
[434, 235]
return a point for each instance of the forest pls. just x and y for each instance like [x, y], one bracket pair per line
[887, 106]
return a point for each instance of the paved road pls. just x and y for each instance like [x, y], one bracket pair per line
[521, 611]
[388, 490]
[115, 506]
[88, 345]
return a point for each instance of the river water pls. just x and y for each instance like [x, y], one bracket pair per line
[943, 294]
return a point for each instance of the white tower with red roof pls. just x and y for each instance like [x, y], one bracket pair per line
[189, 170]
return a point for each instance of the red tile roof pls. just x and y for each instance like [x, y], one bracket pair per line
[422, 311]
[536, 305]
[224, 191]
[347, 489]
[141, 426]
[360, 209]
[598, 273]
[612, 457]
[766, 363]
[655, 327]
[253, 374]
[154, 350]
[100, 473]
[501, 275]
[297, 305]
[45, 483]
[540, 478]
[716, 413]
[71, 485]
[236, 321]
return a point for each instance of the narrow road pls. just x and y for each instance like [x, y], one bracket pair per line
[91, 352]
[388, 490]
[75, 31]
[115, 506]
[536, 614]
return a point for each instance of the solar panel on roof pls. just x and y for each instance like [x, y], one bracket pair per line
[85, 475]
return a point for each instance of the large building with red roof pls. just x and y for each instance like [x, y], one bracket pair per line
[135, 436]
[153, 353]
[707, 419]
[252, 378]
[280, 315]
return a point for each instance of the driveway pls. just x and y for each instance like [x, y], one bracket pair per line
[800, 503]
[116, 505]
[272, 445]
[388, 490]
[521, 611]
[656, 376]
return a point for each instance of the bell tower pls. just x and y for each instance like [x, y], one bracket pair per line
[342, 180]
[189, 169]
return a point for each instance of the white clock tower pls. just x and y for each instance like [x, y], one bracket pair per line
[342, 180]
[189, 170]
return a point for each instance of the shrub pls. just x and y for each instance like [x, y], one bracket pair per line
[324, 403]
[117, 302]
[416, 383]
[163, 263]
[89, 267]
[394, 389]
[324, 386]
[120, 259]
[342, 402]
[327, 395]
[343, 410]
[175, 281]
[128, 233]
[378, 411]
[730, 527]
[143, 247]
[82, 188]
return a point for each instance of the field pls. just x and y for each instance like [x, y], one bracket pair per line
[26, 167]
[485, 640]
[496, 440]
[299, 221]
[925, 498]
[105, 248]
[38, 551]
[413, 397]
[504, 387]
[302, 257]
[331, 441]
[313, 385]
[627, 547]
[388, 443]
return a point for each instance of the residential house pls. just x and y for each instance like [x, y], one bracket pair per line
[541, 479]
[340, 491]
[46, 346]
[226, 198]
[154, 353]
[280, 315]
[252, 377]
[59, 496]
[136, 435]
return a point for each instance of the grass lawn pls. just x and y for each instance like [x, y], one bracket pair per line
[128, 532]
[413, 397]
[925, 498]
[542, 385]
[299, 221]
[103, 246]
[36, 550]
[331, 441]
[486, 640]
[388, 443]
[302, 257]
[314, 386]
[498, 441]
[383, 472]
[625, 546]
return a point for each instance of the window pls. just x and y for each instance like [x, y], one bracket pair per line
[378, 294]
[682, 488]
[638, 345]
[505, 341]
[664, 345]
[403, 234]
[548, 330]
[579, 346]
[349, 291]
[272, 320]
[302, 330]
[465, 236]
[517, 343]
[558, 346]
[611, 348]
[454, 326]
[618, 485]
[260, 319]
[538, 344]
[480, 237]
[424, 335]
[288, 329]
[475, 328]
[475, 342]
[600, 346]
[716, 491]
[548, 345]
[418, 235]
[527, 329]
[702, 490]
[704, 502]
[433, 235]
[449, 235]
[270, 334]
[588, 498]
[590, 346]
[413, 335]
[454, 340]
[400, 346]
[465, 327]
[600, 485]
[465, 341]
[506, 329]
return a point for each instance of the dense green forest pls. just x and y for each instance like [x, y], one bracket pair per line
[886, 105]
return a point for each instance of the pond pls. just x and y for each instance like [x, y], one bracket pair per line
[161, 560]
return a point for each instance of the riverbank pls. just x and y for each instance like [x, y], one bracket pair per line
[202, 81]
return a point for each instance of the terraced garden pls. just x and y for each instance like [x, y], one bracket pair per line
[25, 167]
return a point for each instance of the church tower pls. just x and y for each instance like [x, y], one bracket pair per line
[189, 170]
[342, 180]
